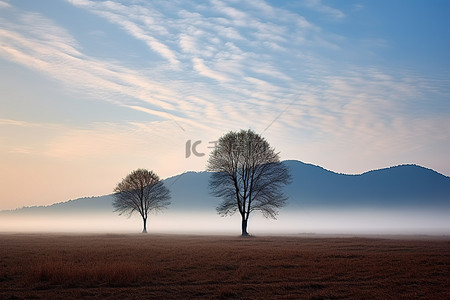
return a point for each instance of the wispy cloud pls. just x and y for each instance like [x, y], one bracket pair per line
[136, 21]
[4, 4]
[200, 67]
[38, 43]
[319, 6]
[103, 140]
[15, 122]
[201, 37]
[26, 124]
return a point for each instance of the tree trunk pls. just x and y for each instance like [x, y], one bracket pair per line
[244, 227]
[145, 225]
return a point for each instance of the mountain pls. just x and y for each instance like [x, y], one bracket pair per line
[312, 187]
[409, 186]
[92, 205]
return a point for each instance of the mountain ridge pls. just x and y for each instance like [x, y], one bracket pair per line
[313, 186]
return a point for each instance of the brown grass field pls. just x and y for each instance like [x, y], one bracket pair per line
[56, 266]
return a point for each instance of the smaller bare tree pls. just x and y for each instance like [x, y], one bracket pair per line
[141, 191]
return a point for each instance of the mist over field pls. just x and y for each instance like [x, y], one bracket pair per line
[300, 222]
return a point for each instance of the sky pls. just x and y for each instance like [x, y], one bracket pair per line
[91, 90]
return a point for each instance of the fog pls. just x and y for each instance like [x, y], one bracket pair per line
[299, 222]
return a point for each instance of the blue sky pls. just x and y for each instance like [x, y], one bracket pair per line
[91, 90]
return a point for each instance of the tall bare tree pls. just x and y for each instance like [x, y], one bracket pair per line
[248, 176]
[143, 192]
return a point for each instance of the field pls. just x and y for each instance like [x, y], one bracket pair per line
[54, 266]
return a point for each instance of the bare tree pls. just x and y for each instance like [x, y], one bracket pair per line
[141, 191]
[248, 176]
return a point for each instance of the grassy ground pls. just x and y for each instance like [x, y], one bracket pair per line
[169, 266]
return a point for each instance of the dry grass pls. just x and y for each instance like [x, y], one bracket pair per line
[158, 266]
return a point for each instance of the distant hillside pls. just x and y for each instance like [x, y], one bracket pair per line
[92, 205]
[400, 186]
[406, 186]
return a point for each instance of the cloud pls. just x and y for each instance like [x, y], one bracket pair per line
[15, 123]
[201, 37]
[4, 4]
[39, 44]
[236, 15]
[97, 141]
[325, 9]
[132, 20]
[26, 124]
[140, 34]
[200, 67]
